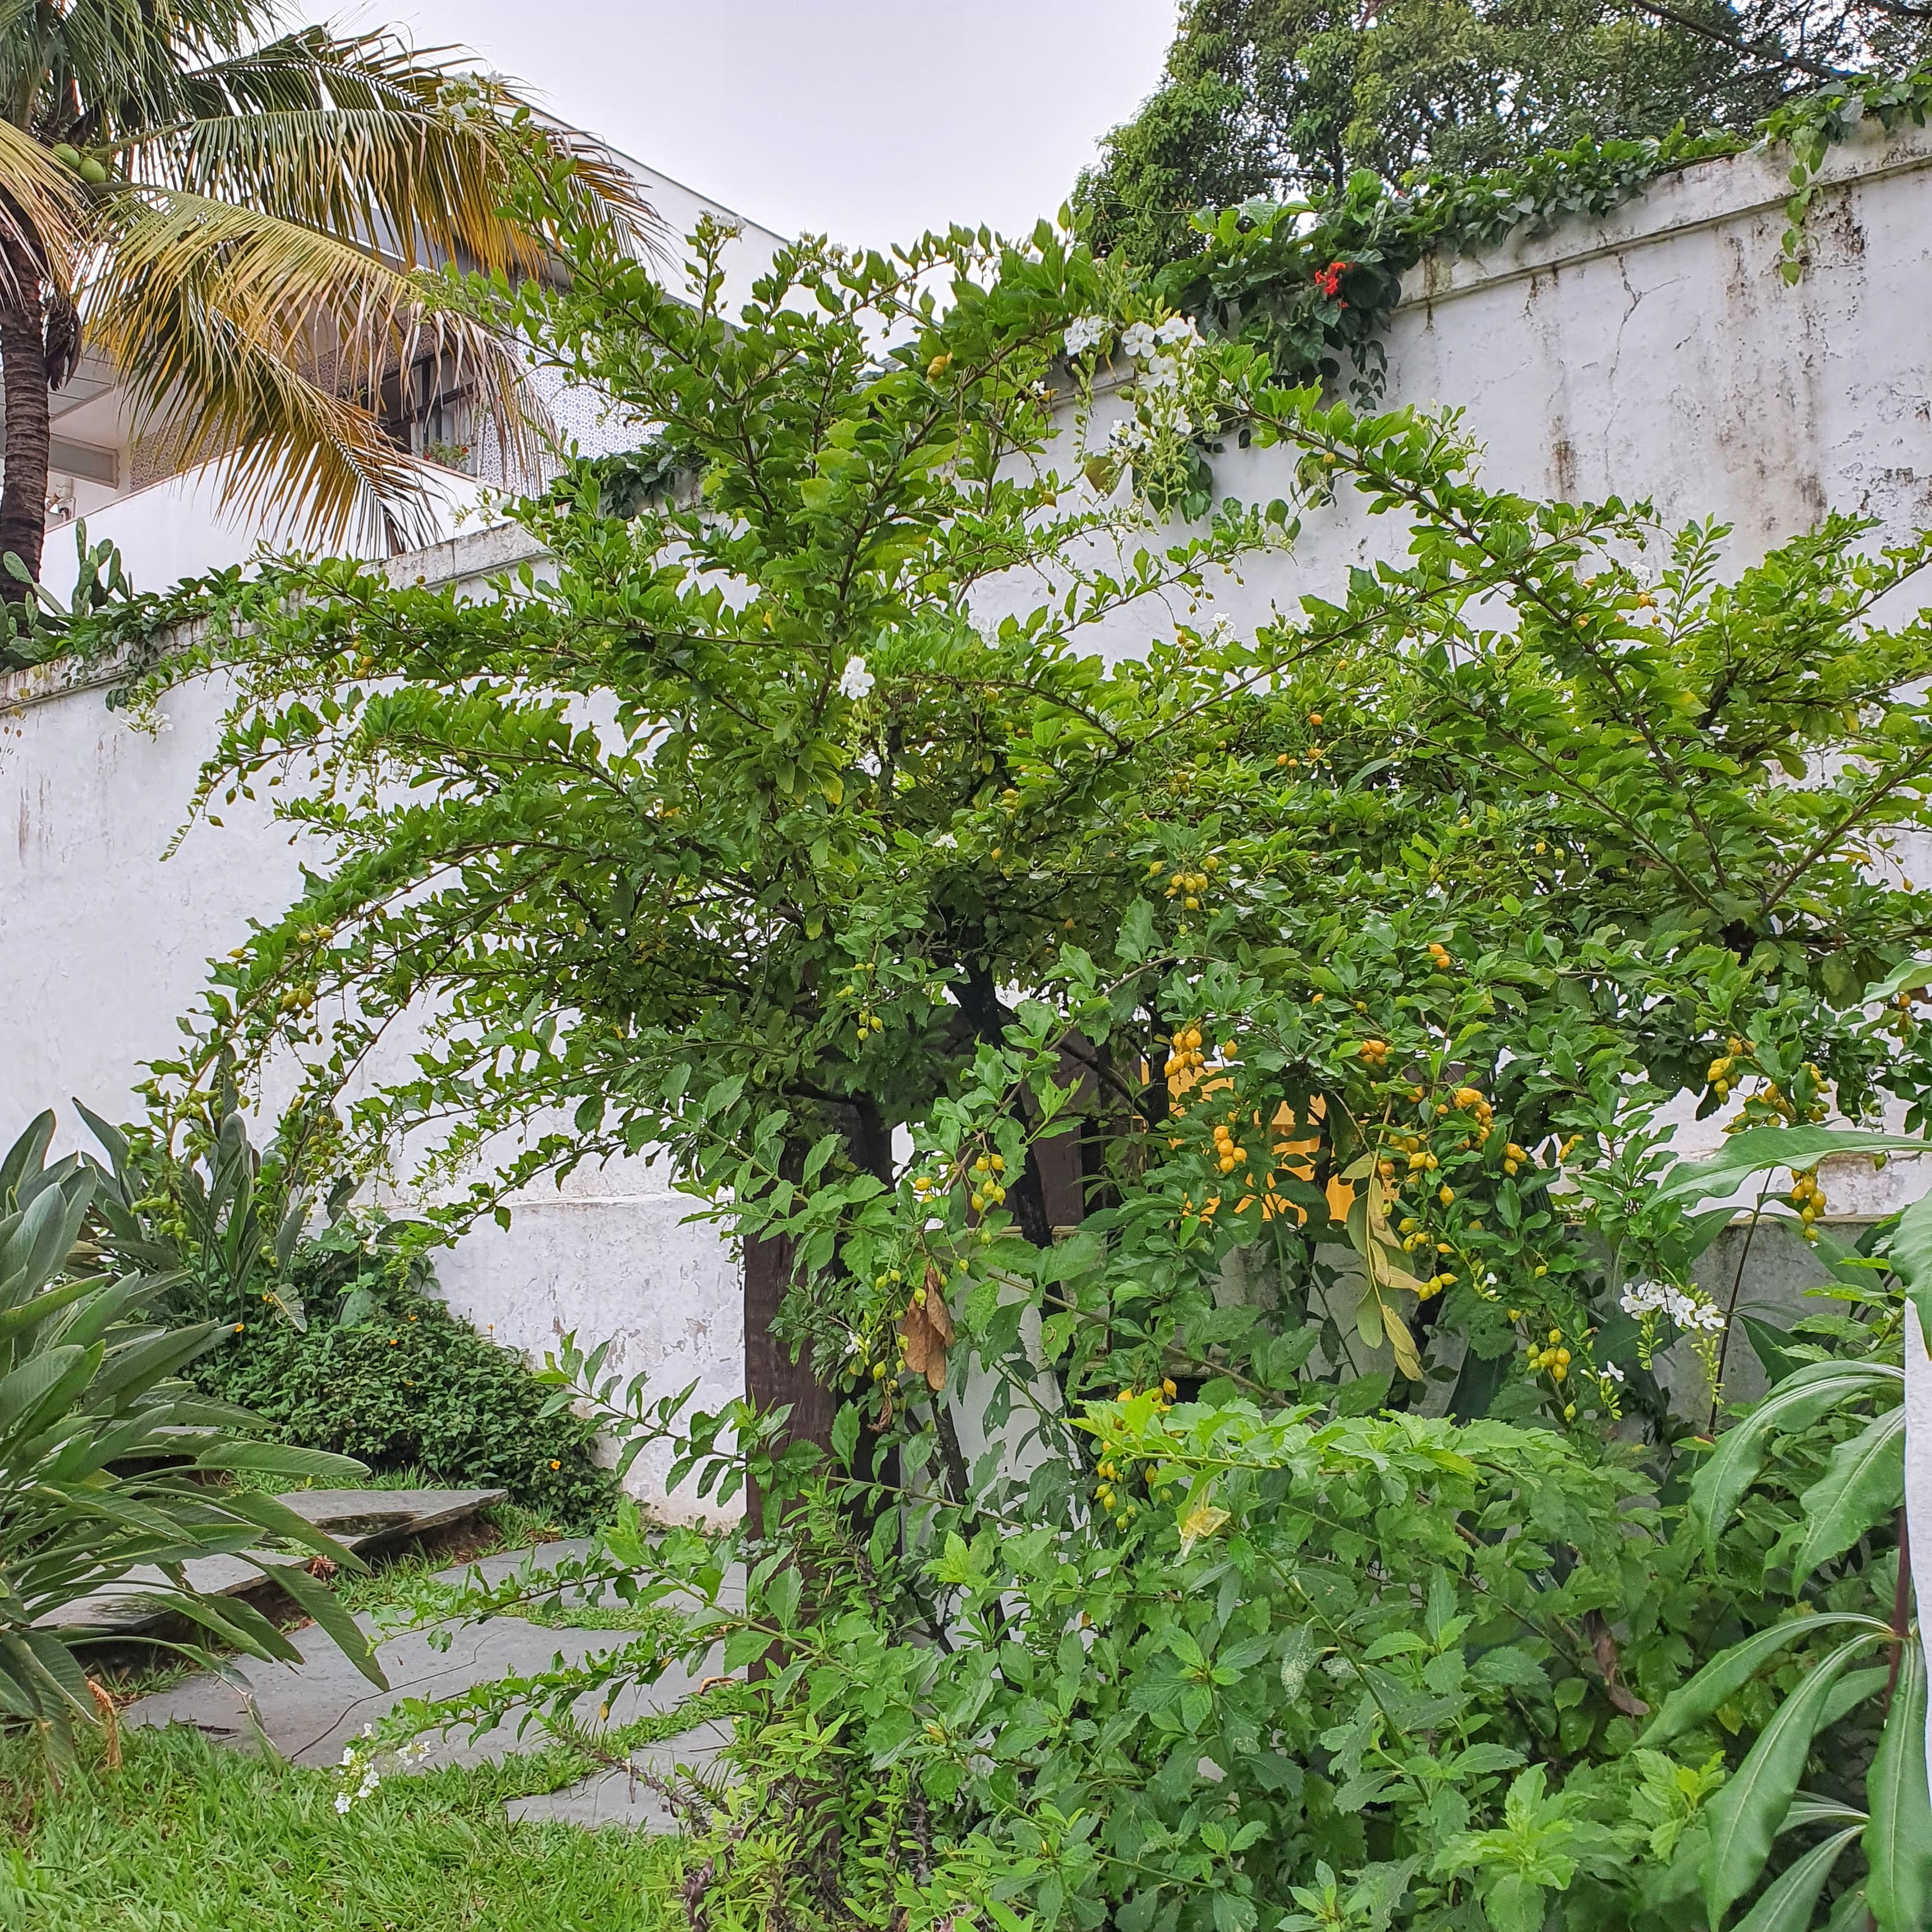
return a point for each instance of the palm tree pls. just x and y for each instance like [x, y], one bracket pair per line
[248, 223]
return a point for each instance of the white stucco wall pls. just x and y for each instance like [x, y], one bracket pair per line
[1654, 352]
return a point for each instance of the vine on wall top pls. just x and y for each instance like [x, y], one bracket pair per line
[1314, 284]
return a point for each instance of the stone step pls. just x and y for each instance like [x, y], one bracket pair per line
[366, 1521]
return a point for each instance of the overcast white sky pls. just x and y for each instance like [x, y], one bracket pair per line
[871, 120]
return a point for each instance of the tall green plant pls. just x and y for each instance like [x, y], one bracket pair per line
[1283, 1025]
[107, 1461]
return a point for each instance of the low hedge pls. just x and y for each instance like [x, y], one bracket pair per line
[415, 1388]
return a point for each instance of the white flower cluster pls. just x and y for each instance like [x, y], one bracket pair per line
[1652, 1297]
[855, 681]
[1164, 351]
[1141, 339]
[1085, 332]
[361, 1771]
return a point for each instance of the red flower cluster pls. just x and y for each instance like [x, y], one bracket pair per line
[1329, 279]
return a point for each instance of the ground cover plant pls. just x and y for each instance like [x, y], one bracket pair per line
[334, 1336]
[183, 1833]
[1221, 1476]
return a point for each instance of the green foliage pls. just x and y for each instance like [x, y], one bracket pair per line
[1288, 220]
[189, 1833]
[1252, 1493]
[1256, 270]
[338, 1342]
[411, 1386]
[1811, 125]
[106, 1456]
[1274, 97]
[106, 623]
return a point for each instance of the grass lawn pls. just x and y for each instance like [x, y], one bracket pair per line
[188, 1837]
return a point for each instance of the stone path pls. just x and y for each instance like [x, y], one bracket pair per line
[309, 1711]
[363, 1520]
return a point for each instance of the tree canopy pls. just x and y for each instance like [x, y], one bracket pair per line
[1273, 97]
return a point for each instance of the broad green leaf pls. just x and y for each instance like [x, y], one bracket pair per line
[1758, 1149]
[1797, 1402]
[1746, 1813]
[1726, 1675]
[1906, 977]
[1898, 1840]
[28, 1154]
[48, 1379]
[1790, 1899]
[1910, 1254]
[1863, 1484]
[320, 1602]
[782, 1595]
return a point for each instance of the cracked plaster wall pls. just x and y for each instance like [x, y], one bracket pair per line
[1654, 352]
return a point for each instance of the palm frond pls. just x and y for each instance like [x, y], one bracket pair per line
[41, 208]
[408, 152]
[265, 343]
[89, 61]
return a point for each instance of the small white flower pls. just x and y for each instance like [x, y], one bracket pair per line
[1085, 332]
[867, 762]
[342, 1802]
[163, 722]
[1176, 329]
[1612, 1373]
[946, 841]
[1137, 339]
[855, 681]
[1162, 375]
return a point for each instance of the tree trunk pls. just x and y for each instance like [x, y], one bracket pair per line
[23, 366]
[773, 1380]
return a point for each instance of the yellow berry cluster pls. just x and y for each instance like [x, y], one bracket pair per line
[1808, 1197]
[1555, 1358]
[1414, 1237]
[1514, 1157]
[987, 1189]
[1188, 886]
[1420, 1160]
[1186, 1057]
[1229, 1152]
[1109, 1472]
[1374, 1052]
[1471, 1100]
[1440, 956]
[1718, 1074]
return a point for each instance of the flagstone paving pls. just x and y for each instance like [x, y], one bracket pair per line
[309, 1712]
[363, 1520]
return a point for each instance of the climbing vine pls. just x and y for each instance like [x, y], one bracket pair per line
[1314, 283]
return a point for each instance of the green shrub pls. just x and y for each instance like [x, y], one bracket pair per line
[415, 1388]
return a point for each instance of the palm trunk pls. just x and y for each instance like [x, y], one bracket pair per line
[23, 366]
